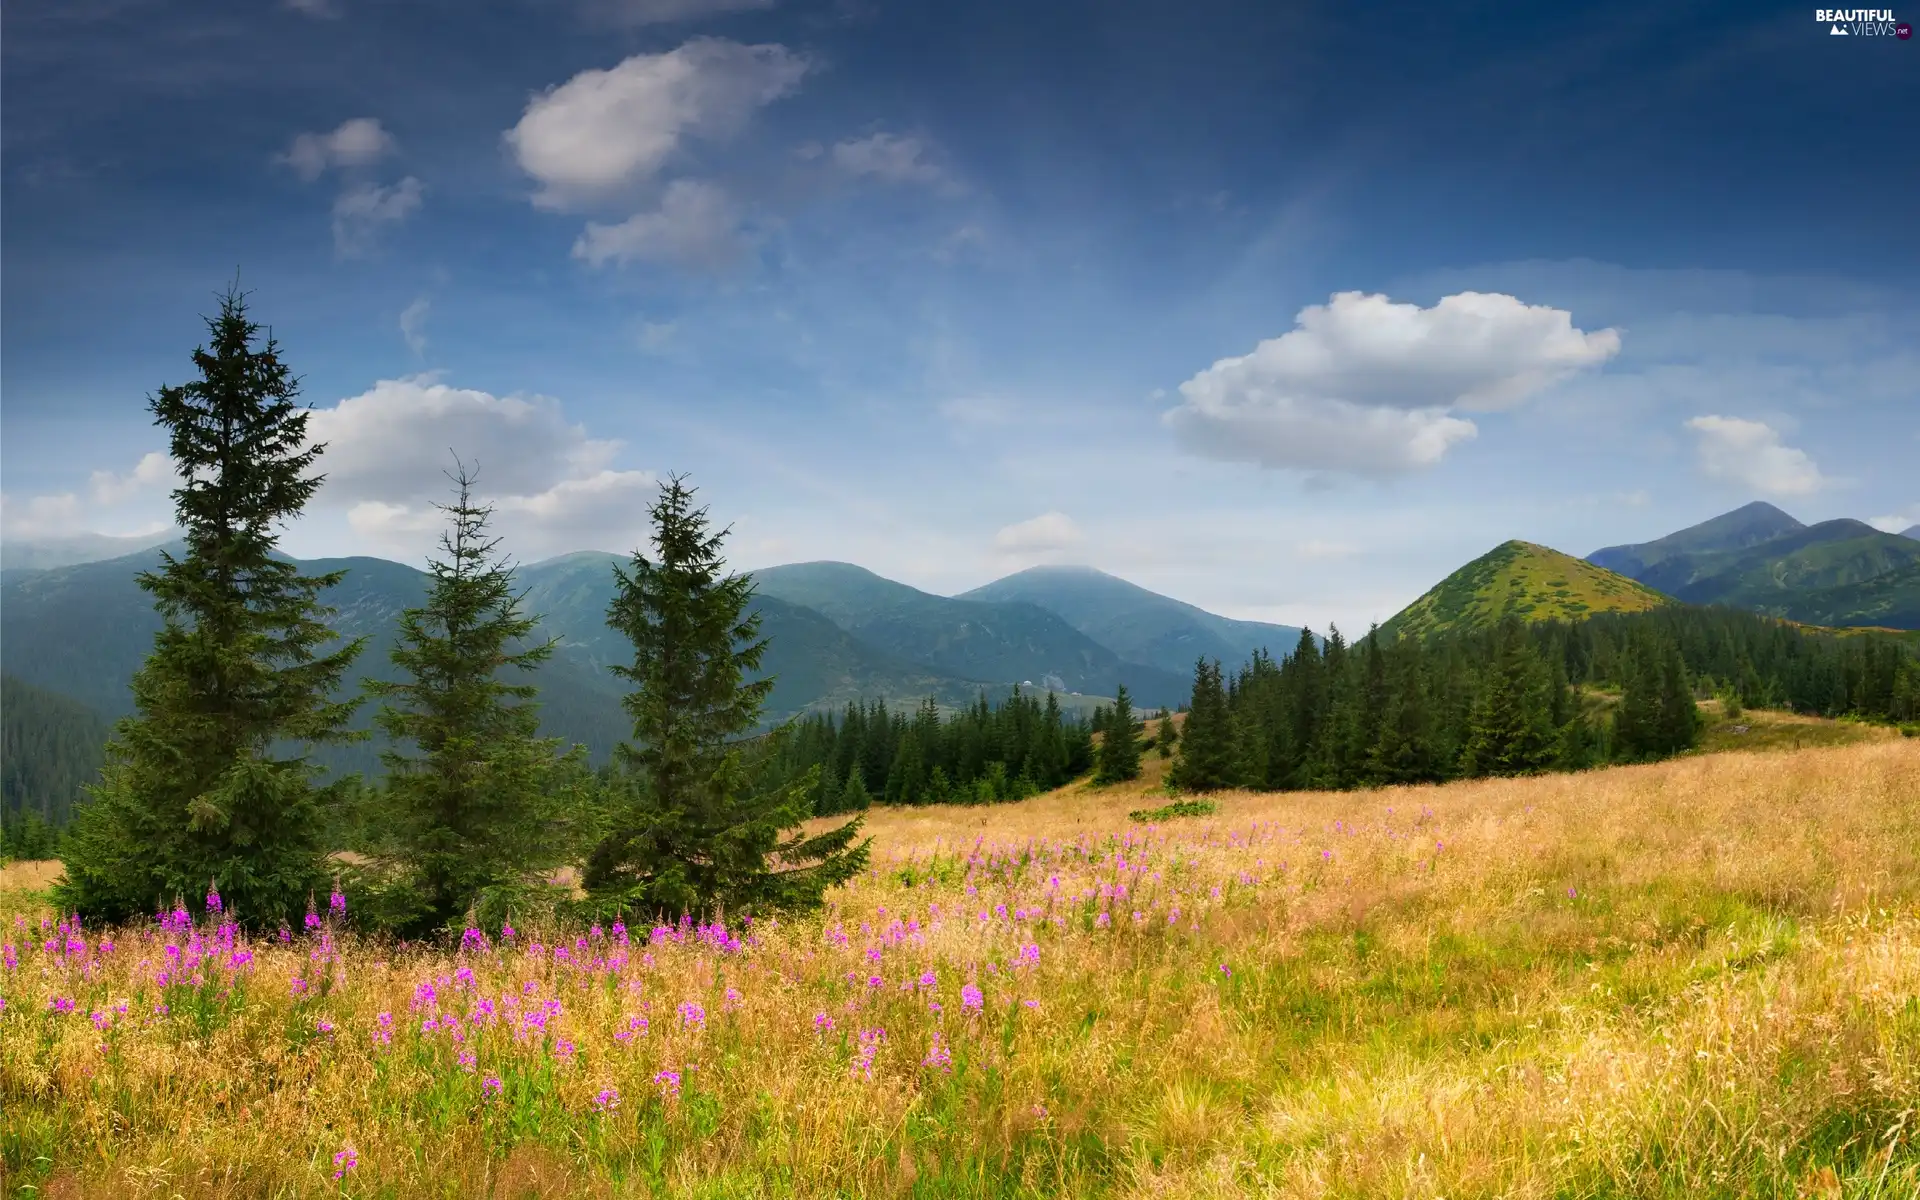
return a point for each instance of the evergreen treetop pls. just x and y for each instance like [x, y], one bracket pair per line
[689, 834]
[195, 787]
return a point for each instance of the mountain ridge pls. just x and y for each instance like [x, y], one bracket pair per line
[1523, 579]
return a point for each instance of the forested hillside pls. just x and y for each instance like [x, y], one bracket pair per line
[50, 748]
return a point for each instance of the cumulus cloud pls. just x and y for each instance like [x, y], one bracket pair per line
[1369, 386]
[357, 143]
[361, 211]
[604, 130]
[634, 13]
[888, 157]
[697, 224]
[553, 487]
[1750, 455]
[413, 325]
[129, 499]
[1049, 533]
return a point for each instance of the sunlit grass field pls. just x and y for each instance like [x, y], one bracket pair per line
[1698, 978]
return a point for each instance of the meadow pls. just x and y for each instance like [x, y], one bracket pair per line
[1696, 978]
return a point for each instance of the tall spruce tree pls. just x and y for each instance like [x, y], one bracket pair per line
[688, 834]
[1120, 746]
[1512, 731]
[1206, 759]
[481, 815]
[204, 781]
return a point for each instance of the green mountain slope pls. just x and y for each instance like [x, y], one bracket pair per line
[1672, 562]
[40, 554]
[1911, 531]
[814, 662]
[1005, 642]
[1524, 580]
[50, 746]
[82, 631]
[1778, 575]
[1136, 624]
[1890, 600]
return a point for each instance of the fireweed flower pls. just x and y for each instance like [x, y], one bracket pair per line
[313, 920]
[635, 1026]
[323, 1027]
[870, 1040]
[337, 903]
[692, 1016]
[345, 1161]
[213, 897]
[971, 999]
[669, 1082]
[60, 1004]
[732, 1000]
[491, 1086]
[938, 1057]
[467, 1061]
[822, 1023]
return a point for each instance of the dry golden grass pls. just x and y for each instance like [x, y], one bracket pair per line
[1694, 978]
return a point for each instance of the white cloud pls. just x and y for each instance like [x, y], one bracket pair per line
[413, 325]
[663, 12]
[604, 130]
[318, 9]
[1049, 533]
[1897, 522]
[128, 500]
[361, 210]
[888, 157]
[1368, 386]
[697, 224]
[357, 143]
[553, 488]
[1749, 454]
[153, 470]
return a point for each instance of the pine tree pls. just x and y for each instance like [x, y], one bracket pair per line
[1636, 732]
[1120, 747]
[1679, 719]
[690, 836]
[1168, 735]
[479, 818]
[198, 783]
[1206, 759]
[1512, 731]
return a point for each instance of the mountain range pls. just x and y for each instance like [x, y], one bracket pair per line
[1841, 572]
[836, 633]
[1520, 579]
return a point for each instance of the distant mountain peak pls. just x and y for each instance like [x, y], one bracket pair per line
[1911, 531]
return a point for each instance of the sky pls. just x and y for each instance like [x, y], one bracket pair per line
[1284, 310]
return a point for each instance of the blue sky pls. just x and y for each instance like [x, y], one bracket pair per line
[1283, 310]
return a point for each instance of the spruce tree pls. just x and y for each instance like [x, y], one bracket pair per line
[480, 816]
[690, 835]
[1167, 736]
[1120, 747]
[1206, 759]
[200, 781]
[1512, 730]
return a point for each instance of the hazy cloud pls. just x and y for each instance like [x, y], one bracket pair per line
[1048, 533]
[413, 325]
[888, 157]
[356, 143]
[604, 130]
[1749, 454]
[697, 224]
[361, 211]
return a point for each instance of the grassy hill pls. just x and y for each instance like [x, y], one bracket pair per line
[1138, 625]
[1524, 580]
